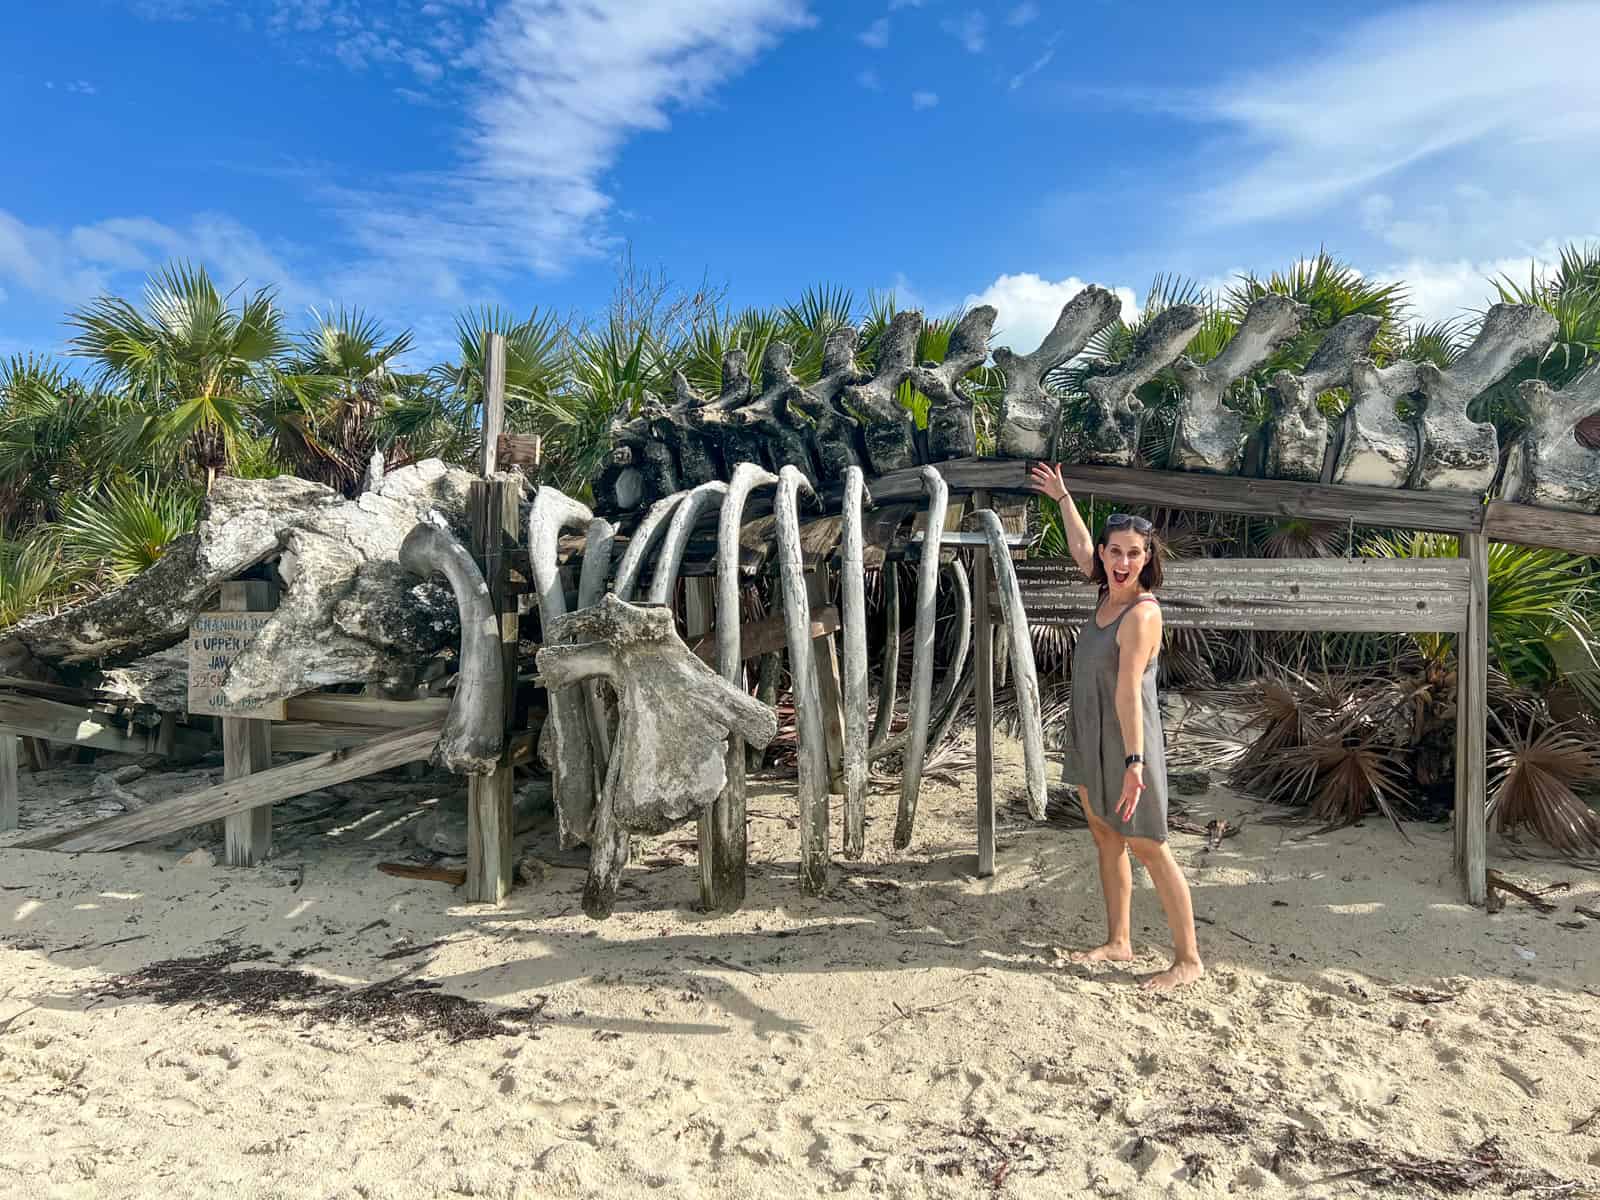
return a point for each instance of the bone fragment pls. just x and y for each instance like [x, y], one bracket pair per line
[854, 596]
[1111, 423]
[1549, 465]
[922, 657]
[887, 426]
[1026, 675]
[1030, 417]
[813, 750]
[1300, 432]
[952, 430]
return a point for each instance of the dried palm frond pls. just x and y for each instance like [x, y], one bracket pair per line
[1296, 537]
[1534, 775]
[1190, 657]
[1352, 776]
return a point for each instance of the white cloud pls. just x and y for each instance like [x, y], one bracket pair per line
[875, 35]
[1029, 304]
[1023, 14]
[898, 4]
[971, 29]
[921, 101]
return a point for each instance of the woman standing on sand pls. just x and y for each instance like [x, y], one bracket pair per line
[1118, 759]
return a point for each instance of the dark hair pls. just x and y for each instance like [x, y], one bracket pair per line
[1150, 574]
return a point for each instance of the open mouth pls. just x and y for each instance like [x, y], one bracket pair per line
[1120, 577]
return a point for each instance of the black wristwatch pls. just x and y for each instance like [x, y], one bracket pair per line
[1131, 759]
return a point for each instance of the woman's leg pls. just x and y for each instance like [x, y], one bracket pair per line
[1116, 880]
[1173, 889]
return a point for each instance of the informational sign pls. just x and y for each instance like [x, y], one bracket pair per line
[1375, 595]
[216, 639]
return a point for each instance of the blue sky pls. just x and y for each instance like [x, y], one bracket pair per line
[418, 156]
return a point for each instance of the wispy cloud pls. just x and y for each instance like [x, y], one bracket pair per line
[899, 4]
[920, 101]
[1023, 14]
[870, 80]
[1038, 64]
[875, 35]
[971, 29]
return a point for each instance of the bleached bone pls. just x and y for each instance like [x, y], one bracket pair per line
[1548, 465]
[1025, 676]
[1030, 417]
[962, 623]
[571, 754]
[887, 427]
[813, 750]
[675, 715]
[597, 546]
[952, 431]
[665, 580]
[837, 440]
[1111, 421]
[642, 542]
[922, 657]
[1299, 445]
[1210, 435]
[889, 677]
[1377, 448]
[853, 590]
[474, 731]
[722, 826]
[1458, 453]
[777, 413]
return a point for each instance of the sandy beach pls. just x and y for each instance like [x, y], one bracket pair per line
[915, 1032]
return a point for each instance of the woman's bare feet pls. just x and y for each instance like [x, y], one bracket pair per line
[1110, 952]
[1178, 975]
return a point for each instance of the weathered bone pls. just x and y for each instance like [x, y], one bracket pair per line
[1548, 465]
[572, 756]
[642, 542]
[813, 750]
[597, 546]
[739, 443]
[675, 715]
[1210, 435]
[1378, 448]
[837, 440]
[474, 731]
[699, 457]
[1458, 453]
[854, 597]
[922, 657]
[1299, 445]
[1030, 417]
[777, 413]
[889, 680]
[1111, 421]
[639, 466]
[1024, 674]
[887, 427]
[961, 621]
[952, 431]
[665, 580]
[722, 826]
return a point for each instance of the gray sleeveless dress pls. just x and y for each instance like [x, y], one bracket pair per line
[1095, 760]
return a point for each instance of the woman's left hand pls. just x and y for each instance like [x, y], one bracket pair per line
[1132, 785]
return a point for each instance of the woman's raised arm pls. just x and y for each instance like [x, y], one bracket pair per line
[1080, 542]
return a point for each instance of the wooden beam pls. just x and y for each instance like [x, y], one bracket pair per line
[826, 652]
[520, 450]
[766, 635]
[1525, 525]
[1472, 727]
[332, 709]
[315, 737]
[71, 725]
[1444, 512]
[9, 812]
[490, 823]
[983, 636]
[247, 744]
[240, 795]
[494, 402]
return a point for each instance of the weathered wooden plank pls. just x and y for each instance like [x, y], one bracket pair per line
[1525, 525]
[490, 824]
[519, 450]
[238, 795]
[246, 743]
[829, 685]
[767, 636]
[55, 691]
[1472, 725]
[493, 417]
[1444, 512]
[10, 813]
[333, 709]
[216, 639]
[69, 724]
[1427, 595]
[316, 737]
[984, 667]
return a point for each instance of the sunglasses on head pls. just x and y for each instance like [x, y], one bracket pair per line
[1127, 520]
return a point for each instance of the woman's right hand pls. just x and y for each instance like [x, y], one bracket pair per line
[1043, 477]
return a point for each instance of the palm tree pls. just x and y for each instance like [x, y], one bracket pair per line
[194, 366]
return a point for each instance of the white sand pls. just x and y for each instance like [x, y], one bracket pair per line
[915, 1033]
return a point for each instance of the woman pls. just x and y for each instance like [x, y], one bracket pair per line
[1119, 763]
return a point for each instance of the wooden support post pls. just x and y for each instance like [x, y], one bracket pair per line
[38, 753]
[826, 651]
[983, 666]
[494, 402]
[247, 744]
[9, 815]
[723, 845]
[1472, 725]
[493, 508]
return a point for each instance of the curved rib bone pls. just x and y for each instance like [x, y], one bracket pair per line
[1030, 417]
[952, 677]
[474, 732]
[1025, 677]
[813, 749]
[722, 826]
[1458, 453]
[597, 546]
[572, 753]
[1299, 445]
[922, 657]
[854, 594]
[1210, 435]
[640, 544]
[952, 432]
[670, 560]
[887, 427]
[1548, 465]
[1111, 423]
[889, 681]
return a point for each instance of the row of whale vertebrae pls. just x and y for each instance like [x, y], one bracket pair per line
[847, 417]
